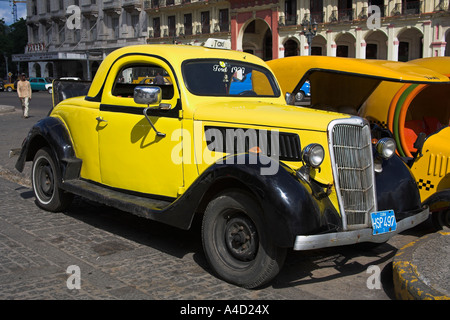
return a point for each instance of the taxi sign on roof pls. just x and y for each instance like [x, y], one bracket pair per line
[218, 43]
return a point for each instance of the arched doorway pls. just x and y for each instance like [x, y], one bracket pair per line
[257, 39]
[345, 45]
[376, 45]
[48, 70]
[36, 70]
[410, 44]
[291, 48]
[319, 46]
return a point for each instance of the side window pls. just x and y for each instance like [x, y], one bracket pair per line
[132, 76]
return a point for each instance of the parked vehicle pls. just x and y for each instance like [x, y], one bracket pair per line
[418, 115]
[262, 176]
[41, 84]
[409, 107]
[303, 92]
[10, 87]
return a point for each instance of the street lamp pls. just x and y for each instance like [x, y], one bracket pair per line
[310, 31]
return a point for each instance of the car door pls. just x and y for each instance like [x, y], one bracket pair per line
[34, 84]
[132, 156]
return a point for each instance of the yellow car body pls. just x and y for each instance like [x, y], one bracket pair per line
[218, 140]
[411, 109]
[9, 87]
[406, 98]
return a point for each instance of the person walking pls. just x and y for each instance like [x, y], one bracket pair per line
[24, 93]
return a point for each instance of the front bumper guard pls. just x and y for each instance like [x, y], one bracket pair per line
[355, 236]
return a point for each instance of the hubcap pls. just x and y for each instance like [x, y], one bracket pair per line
[241, 238]
[45, 180]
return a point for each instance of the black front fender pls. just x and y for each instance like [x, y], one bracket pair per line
[51, 132]
[397, 188]
[288, 206]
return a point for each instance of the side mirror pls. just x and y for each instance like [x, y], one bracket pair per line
[290, 98]
[147, 95]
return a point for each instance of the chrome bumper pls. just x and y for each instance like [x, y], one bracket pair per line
[356, 236]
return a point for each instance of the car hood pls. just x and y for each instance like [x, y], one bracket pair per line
[260, 113]
[345, 82]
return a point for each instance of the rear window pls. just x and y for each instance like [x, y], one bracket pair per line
[219, 77]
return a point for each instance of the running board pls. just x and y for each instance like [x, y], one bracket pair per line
[141, 206]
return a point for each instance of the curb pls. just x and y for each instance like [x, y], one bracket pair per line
[6, 108]
[408, 281]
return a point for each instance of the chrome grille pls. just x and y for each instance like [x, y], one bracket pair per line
[353, 171]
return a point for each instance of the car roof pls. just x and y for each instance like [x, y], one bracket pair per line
[176, 54]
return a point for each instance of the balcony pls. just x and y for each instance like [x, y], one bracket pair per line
[290, 19]
[411, 7]
[89, 9]
[345, 14]
[132, 5]
[442, 5]
[317, 16]
[150, 5]
[112, 6]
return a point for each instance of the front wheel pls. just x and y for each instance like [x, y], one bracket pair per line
[237, 244]
[45, 179]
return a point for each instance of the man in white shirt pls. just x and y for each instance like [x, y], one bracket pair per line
[24, 93]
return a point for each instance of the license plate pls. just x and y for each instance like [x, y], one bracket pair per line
[383, 221]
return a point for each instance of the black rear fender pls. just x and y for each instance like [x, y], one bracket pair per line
[51, 132]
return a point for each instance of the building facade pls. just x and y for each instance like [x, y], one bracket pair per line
[71, 37]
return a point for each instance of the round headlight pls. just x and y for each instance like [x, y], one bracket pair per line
[313, 155]
[386, 148]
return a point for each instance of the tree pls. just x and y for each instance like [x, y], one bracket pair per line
[13, 40]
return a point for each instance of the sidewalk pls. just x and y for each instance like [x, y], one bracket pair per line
[422, 268]
[6, 108]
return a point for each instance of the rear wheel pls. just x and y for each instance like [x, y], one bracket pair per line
[441, 219]
[45, 179]
[236, 243]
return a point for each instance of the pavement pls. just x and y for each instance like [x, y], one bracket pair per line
[5, 108]
[421, 268]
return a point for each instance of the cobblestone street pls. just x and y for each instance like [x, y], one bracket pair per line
[116, 261]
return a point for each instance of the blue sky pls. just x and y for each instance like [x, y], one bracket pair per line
[6, 11]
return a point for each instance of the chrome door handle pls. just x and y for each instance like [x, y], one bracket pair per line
[100, 119]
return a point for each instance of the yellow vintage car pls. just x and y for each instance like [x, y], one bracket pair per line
[219, 142]
[418, 114]
[409, 99]
[9, 87]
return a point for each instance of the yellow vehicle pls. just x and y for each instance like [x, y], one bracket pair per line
[9, 87]
[219, 142]
[410, 107]
[418, 115]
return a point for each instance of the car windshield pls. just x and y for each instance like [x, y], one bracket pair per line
[219, 77]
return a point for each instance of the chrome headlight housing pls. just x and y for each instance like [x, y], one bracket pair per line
[385, 148]
[313, 155]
